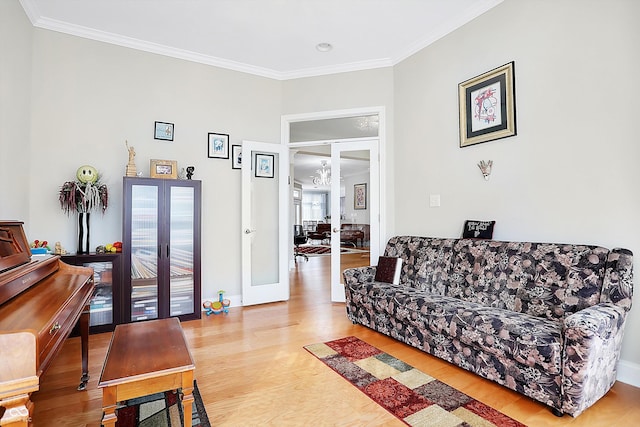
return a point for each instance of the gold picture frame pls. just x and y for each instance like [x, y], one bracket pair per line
[488, 106]
[163, 169]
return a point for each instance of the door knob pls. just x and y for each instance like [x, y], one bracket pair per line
[335, 230]
[248, 231]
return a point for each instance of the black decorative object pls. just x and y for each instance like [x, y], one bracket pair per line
[478, 229]
[190, 170]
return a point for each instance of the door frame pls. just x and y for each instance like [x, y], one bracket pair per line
[286, 121]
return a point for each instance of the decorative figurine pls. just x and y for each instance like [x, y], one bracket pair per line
[58, 249]
[131, 166]
[190, 170]
[485, 168]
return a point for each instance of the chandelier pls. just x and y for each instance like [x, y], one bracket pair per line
[324, 175]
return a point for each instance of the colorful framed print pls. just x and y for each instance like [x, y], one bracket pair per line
[163, 131]
[264, 165]
[236, 157]
[487, 106]
[218, 145]
[360, 196]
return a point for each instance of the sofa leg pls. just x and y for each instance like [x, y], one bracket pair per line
[557, 412]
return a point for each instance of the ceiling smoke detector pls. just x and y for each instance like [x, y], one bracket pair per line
[324, 47]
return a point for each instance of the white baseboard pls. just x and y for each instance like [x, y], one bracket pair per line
[629, 373]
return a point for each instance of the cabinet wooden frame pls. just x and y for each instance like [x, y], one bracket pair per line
[163, 278]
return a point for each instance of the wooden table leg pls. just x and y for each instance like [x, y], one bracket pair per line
[84, 341]
[187, 397]
[109, 406]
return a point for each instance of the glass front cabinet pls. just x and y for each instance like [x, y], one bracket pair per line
[106, 306]
[161, 248]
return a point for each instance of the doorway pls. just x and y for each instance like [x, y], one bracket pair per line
[336, 191]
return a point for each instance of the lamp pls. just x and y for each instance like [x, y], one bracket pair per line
[324, 175]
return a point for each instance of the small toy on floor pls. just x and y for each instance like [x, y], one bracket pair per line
[217, 307]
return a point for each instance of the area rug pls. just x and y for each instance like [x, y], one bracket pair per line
[161, 410]
[411, 395]
[325, 250]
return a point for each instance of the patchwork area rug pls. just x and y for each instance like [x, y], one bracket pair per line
[161, 410]
[411, 395]
[312, 250]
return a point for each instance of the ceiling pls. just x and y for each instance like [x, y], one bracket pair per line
[270, 38]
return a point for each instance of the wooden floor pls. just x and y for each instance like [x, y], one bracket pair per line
[251, 370]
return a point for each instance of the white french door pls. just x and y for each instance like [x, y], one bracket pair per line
[265, 222]
[355, 200]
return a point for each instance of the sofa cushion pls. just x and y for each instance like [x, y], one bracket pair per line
[426, 262]
[567, 278]
[529, 340]
[489, 272]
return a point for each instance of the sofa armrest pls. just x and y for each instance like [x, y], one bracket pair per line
[353, 276]
[593, 339]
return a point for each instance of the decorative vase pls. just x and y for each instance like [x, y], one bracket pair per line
[83, 233]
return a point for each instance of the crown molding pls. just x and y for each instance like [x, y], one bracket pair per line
[445, 28]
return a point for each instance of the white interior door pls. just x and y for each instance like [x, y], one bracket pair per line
[265, 222]
[355, 200]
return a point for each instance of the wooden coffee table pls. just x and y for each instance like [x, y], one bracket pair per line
[146, 358]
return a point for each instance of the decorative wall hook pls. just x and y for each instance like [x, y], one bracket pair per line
[485, 168]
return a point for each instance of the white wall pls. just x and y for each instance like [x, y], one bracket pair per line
[89, 97]
[571, 174]
[15, 94]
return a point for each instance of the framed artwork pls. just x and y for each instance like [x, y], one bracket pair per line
[488, 106]
[166, 169]
[264, 165]
[218, 145]
[164, 131]
[360, 196]
[236, 157]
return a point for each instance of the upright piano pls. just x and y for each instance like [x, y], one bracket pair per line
[41, 300]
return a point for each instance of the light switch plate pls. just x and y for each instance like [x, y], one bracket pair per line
[434, 200]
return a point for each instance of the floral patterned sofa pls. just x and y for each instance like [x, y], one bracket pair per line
[543, 319]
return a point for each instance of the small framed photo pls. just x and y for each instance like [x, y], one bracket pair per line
[163, 131]
[236, 157]
[218, 145]
[264, 165]
[166, 169]
[360, 196]
[488, 106]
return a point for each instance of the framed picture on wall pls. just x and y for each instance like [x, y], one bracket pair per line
[264, 165]
[360, 196]
[218, 145]
[487, 106]
[163, 130]
[236, 157]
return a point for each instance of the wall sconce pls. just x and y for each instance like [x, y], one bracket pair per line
[485, 168]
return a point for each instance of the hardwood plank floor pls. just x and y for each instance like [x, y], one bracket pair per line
[252, 370]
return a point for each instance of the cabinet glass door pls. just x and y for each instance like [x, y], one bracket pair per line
[102, 301]
[181, 251]
[144, 252]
